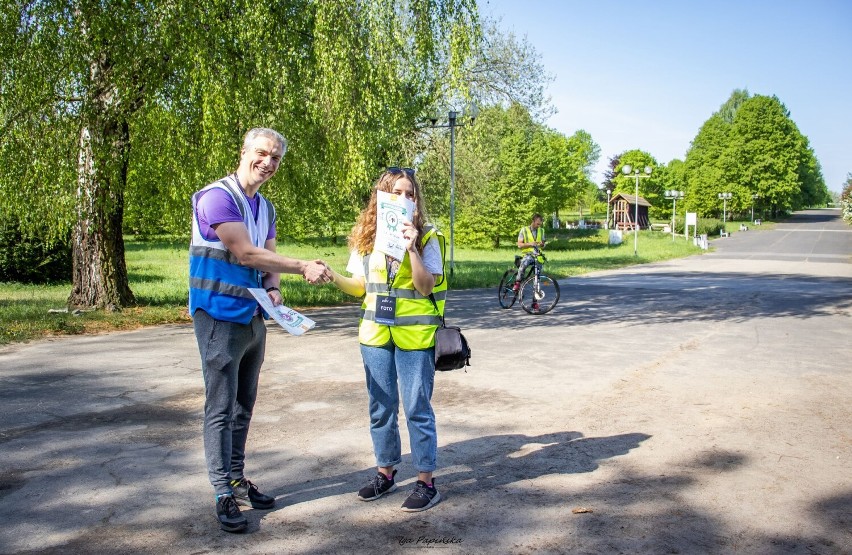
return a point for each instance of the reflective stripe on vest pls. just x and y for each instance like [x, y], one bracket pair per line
[403, 293]
[416, 318]
[217, 281]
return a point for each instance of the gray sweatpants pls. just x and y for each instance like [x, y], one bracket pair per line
[231, 356]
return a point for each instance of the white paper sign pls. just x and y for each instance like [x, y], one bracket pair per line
[292, 321]
[391, 211]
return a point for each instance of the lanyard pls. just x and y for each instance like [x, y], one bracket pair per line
[392, 265]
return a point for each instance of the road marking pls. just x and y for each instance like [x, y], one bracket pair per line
[815, 230]
[778, 254]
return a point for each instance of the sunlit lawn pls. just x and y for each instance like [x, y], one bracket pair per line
[158, 274]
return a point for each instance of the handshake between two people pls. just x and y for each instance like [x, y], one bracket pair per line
[317, 272]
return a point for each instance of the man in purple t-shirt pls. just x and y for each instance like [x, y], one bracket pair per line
[228, 250]
[216, 206]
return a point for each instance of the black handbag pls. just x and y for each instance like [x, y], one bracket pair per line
[452, 351]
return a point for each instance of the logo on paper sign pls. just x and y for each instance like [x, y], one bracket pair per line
[292, 319]
[392, 220]
[392, 208]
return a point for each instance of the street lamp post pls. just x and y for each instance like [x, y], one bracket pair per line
[452, 123]
[608, 195]
[674, 195]
[753, 201]
[724, 197]
[626, 170]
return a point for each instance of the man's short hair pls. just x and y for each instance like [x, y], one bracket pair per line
[537, 216]
[268, 133]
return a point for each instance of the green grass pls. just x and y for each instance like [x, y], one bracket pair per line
[158, 274]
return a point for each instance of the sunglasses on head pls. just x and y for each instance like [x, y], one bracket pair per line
[394, 170]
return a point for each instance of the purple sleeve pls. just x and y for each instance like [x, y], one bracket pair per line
[214, 207]
[273, 233]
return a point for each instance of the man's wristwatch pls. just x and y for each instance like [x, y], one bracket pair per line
[271, 289]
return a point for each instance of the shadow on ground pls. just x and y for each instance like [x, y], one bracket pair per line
[634, 298]
[490, 482]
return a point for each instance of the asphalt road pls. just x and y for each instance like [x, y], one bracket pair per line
[694, 406]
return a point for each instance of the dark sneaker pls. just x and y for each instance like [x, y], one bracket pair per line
[422, 498]
[377, 487]
[247, 494]
[230, 517]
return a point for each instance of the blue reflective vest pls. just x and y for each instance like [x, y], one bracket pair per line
[217, 281]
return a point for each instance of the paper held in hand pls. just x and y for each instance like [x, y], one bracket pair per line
[287, 318]
[391, 211]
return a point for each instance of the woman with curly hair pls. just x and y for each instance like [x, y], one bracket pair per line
[398, 350]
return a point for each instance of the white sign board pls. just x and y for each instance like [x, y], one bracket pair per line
[691, 220]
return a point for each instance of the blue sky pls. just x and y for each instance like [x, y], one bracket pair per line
[648, 74]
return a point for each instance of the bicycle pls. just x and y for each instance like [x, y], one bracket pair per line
[538, 292]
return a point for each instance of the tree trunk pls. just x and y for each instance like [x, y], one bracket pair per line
[99, 270]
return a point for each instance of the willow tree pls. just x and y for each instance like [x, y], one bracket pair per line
[108, 100]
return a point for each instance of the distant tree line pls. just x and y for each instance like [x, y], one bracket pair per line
[750, 148]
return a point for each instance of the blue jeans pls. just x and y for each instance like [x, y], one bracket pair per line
[390, 372]
[231, 356]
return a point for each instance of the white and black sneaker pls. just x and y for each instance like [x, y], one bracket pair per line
[247, 494]
[423, 497]
[377, 487]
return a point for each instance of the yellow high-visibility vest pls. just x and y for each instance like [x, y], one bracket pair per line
[416, 318]
[529, 237]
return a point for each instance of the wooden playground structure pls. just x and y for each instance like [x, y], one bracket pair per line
[624, 212]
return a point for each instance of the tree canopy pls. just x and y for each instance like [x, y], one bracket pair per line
[112, 108]
[751, 147]
[112, 113]
[507, 167]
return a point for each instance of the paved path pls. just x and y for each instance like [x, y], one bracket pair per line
[694, 406]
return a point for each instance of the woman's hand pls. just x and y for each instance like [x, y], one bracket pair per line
[410, 234]
[349, 285]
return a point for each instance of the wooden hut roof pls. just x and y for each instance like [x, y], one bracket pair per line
[631, 199]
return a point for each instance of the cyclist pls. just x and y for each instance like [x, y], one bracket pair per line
[530, 240]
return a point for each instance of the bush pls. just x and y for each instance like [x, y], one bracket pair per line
[708, 226]
[576, 239]
[31, 260]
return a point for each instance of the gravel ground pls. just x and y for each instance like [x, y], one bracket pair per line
[695, 406]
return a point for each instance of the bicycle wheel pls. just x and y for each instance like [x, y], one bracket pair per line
[505, 294]
[541, 299]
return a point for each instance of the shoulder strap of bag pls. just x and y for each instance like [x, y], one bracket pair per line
[435, 304]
